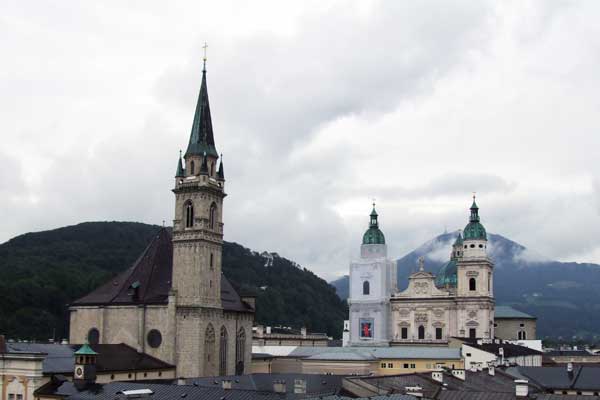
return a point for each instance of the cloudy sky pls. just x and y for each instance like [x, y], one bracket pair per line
[318, 107]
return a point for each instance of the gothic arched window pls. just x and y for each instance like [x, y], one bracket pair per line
[240, 350]
[209, 350]
[522, 335]
[472, 284]
[223, 352]
[189, 214]
[212, 216]
[421, 332]
[366, 287]
[192, 169]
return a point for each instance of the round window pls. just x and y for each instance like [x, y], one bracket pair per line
[154, 338]
[93, 336]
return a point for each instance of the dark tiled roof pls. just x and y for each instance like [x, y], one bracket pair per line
[111, 357]
[547, 396]
[569, 353]
[461, 395]
[510, 350]
[315, 384]
[152, 273]
[114, 390]
[581, 378]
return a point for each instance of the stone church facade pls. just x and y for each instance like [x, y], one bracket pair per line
[174, 303]
[458, 302]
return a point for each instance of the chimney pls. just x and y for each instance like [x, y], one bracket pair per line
[260, 330]
[416, 391]
[570, 370]
[268, 330]
[459, 374]
[521, 387]
[226, 384]
[300, 386]
[279, 386]
[64, 341]
[437, 376]
[2, 344]
[491, 370]
[180, 381]
[303, 331]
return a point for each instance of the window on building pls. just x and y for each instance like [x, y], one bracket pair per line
[472, 284]
[522, 335]
[390, 365]
[212, 261]
[383, 365]
[189, 214]
[404, 333]
[19, 396]
[212, 219]
[212, 166]
[366, 287]
[522, 325]
[405, 365]
[240, 350]
[192, 169]
[223, 352]
[209, 350]
[438, 333]
[11, 396]
[489, 281]
[413, 366]
[421, 332]
[473, 333]
[93, 336]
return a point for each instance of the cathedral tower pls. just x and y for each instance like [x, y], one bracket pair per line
[372, 281]
[198, 224]
[475, 286]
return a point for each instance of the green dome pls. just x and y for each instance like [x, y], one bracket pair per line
[446, 276]
[373, 235]
[474, 230]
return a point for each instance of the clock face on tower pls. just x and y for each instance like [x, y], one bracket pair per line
[78, 372]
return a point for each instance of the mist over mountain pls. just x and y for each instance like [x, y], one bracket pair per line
[563, 295]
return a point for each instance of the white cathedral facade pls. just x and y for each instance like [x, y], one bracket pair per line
[457, 302]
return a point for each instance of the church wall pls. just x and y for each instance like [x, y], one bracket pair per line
[82, 319]
[508, 329]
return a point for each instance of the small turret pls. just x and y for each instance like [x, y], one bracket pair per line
[474, 244]
[221, 172]
[85, 366]
[373, 235]
[180, 173]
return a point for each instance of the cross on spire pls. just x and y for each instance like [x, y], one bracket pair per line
[204, 58]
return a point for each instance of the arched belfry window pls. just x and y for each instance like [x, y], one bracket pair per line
[240, 347]
[212, 216]
[366, 287]
[421, 332]
[223, 352]
[472, 284]
[209, 350]
[188, 209]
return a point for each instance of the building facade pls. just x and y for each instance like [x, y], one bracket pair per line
[511, 324]
[458, 302]
[174, 303]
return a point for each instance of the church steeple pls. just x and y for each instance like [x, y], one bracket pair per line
[373, 235]
[201, 137]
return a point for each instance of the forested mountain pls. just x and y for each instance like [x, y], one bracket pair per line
[43, 272]
[564, 296]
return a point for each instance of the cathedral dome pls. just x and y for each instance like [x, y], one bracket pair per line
[446, 276]
[373, 235]
[474, 229]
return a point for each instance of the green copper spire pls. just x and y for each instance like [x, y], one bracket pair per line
[180, 173]
[474, 229]
[85, 350]
[459, 239]
[201, 138]
[373, 235]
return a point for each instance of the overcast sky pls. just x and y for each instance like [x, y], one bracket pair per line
[318, 107]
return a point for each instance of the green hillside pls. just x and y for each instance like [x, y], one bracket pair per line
[43, 272]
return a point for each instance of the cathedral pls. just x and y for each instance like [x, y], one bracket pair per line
[458, 302]
[174, 303]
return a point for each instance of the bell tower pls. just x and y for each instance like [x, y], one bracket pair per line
[198, 223]
[475, 284]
